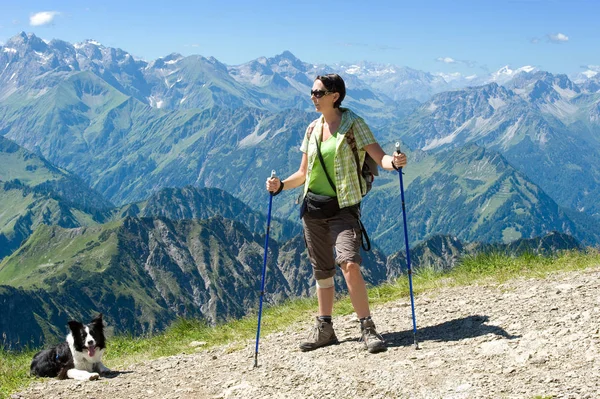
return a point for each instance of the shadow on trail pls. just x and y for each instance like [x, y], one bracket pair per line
[114, 373]
[453, 330]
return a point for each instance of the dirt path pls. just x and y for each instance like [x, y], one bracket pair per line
[522, 339]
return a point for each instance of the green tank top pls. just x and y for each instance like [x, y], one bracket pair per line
[318, 180]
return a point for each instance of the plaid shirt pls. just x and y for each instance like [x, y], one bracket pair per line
[346, 175]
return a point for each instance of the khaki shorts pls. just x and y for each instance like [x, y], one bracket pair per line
[340, 232]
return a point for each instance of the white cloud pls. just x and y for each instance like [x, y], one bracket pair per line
[589, 73]
[595, 68]
[558, 38]
[42, 18]
[450, 60]
[447, 60]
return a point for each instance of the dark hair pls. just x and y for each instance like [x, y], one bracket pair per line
[335, 84]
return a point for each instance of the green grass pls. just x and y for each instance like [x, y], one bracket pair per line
[12, 205]
[47, 252]
[493, 268]
[14, 371]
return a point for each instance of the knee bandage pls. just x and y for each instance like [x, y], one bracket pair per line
[325, 283]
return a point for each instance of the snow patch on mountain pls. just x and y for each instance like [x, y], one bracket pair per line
[438, 142]
[496, 102]
[353, 70]
[457, 80]
[44, 58]
[282, 129]
[505, 73]
[87, 42]
[254, 137]
[5, 68]
[374, 70]
[510, 132]
[480, 123]
[542, 137]
[589, 73]
[560, 109]
[565, 92]
[154, 102]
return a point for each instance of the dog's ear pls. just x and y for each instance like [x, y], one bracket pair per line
[98, 321]
[75, 326]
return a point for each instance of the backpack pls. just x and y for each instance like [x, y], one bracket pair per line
[369, 167]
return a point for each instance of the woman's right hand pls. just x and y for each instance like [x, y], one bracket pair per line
[273, 184]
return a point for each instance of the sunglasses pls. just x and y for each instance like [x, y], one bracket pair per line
[319, 93]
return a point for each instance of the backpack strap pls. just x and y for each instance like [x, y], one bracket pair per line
[352, 143]
[324, 168]
[365, 242]
[310, 129]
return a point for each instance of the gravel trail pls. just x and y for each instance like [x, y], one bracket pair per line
[526, 338]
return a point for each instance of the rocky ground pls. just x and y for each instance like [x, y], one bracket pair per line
[527, 338]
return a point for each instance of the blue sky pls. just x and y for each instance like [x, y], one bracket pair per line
[470, 37]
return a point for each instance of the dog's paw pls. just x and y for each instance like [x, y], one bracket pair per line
[93, 376]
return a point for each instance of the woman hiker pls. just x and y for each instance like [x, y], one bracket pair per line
[332, 175]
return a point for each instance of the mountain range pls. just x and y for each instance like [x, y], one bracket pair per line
[149, 176]
[545, 125]
[143, 273]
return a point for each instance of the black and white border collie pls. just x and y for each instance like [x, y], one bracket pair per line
[80, 357]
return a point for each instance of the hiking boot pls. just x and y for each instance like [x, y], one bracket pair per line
[321, 335]
[373, 341]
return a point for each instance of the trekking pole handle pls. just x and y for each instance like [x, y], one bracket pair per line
[397, 152]
[273, 175]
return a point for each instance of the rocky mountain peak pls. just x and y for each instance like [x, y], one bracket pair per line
[24, 42]
[217, 64]
[286, 56]
[506, 73]
[479, 101]
[162, 62]
[90, 43]
[526, 81]
[288, 62]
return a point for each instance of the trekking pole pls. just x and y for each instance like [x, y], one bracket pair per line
[264, 272]
[409, 269]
